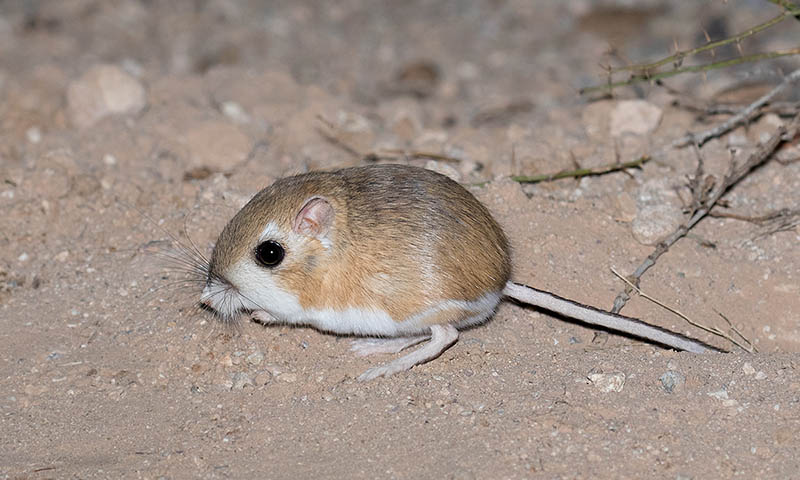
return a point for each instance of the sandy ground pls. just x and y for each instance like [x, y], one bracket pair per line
[125, 122]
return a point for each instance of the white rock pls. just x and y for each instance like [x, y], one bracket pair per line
[34, 134]
[608, 382]
[235, 112]
[102, 91]
[634, 116]
[654, 222]
[658, 211]
[719, 394]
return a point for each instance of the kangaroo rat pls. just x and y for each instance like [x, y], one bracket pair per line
[382, 251]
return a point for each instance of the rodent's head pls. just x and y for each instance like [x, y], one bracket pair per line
[281, 231]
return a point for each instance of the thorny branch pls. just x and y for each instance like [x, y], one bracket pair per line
[581, 172]
[782, 220]
[706, 108]
[781, 109]
[705, 67]
[651, 71]
[743, 116]
[788, 5]
[706, 194]
[757, 219]
[677, 57]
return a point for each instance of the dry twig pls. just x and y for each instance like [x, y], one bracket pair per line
[581, 172]
[651, 71]
[707, 108]
[394, 154]
[785, 221]
[743, 116]
[782, 109]
[788, 5]
[706, 196]
[678, 57]
[757, 219]
[713, 330]
[736, 331]
[756, 57]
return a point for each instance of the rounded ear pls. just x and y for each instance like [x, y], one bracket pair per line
[315, 218]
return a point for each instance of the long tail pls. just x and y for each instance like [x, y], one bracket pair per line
[594, 316]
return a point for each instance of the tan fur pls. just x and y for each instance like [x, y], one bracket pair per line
[404, 239]
[451, 316]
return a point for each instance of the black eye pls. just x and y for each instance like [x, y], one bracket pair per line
[269, 253]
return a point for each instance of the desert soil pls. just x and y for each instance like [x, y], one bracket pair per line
[128, 125]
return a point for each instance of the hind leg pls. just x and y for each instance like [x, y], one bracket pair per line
[370, 346]
[442, 337]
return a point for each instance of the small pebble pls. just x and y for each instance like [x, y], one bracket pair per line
[34, 135]
[263, 378]
[658, 211]
[236, 358]
[241, 380]
[102, 91]
[654, 222]
[719, 394]
[748, 369]
[670, 380]
[287, 377]
[225, 360]
[235, 112]
[255, 358]
[608, 382]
